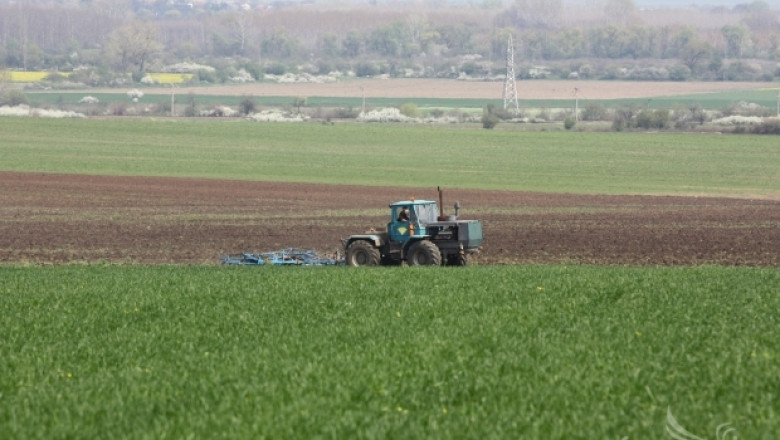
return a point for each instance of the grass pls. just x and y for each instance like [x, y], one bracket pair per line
[401, 155]
[765, 97]
[483, 352]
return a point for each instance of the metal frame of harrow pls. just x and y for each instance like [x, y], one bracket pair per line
[284, 257]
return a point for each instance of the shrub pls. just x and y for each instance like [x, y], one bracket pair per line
[624, 118]
[275, 69]
[191, 109]
[118, 109]
[254, 70]
[384, 115]
[219, 111]
[569, 123]
[679, 72]
[410, 110]
[768, 126]
[207, 76]
[685, 118]
[595, 111]
[277, 116]
[489, 117]
[56, 77]
[652, 119]
[344, 113]
[743, 108]
[13, 97]
[366, 69]
[89, 100]
[247, 105]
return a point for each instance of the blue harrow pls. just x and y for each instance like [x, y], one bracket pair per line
[284, 257]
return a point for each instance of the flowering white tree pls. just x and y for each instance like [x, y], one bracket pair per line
[135, 95]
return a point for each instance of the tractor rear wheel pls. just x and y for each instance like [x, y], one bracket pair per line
[423, 253]
[362, 253]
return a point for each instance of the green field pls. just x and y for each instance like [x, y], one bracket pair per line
[542, 352]
[765, 97]
[484, 352]
[400, 155]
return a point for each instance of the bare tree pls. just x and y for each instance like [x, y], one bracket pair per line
[620, 12]
[132, 45]
[694, 53]
[538, 13]
[240, 25]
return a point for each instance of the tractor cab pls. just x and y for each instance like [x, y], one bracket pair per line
[409, 218]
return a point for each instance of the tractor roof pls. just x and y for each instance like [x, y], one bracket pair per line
[413, 202]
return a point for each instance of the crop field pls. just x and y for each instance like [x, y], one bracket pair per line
[626, 287]
[402, 156]
[547, 352]
[442, 94]
[259, 187]
[28, 76]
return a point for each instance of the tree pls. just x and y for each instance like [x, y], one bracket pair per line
[280, 44]
[352, 46]
[12, 97]
[620, 12]
[489, 117]
[329, 44]
[299, 102]
[133, 45]
[391, 40]
[543, 14]
[694, 53]
[456, 37]
[735, 37]
[240, 26]
[247, 105]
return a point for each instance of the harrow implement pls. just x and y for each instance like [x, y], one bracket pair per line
[284, 257]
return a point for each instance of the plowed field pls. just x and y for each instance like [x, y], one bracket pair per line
[50, 218]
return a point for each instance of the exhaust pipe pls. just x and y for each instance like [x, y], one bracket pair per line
[442, 217]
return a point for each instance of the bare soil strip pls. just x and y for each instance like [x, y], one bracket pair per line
[55, 219]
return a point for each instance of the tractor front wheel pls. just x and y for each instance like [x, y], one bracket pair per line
[362, 253]
[423, 253]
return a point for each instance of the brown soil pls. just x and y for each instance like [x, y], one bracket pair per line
[50, 218]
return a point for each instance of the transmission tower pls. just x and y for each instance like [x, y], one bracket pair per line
[510, 88]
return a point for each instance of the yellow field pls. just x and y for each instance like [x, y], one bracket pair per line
[27, 76]
[170, 78]
[19, 76]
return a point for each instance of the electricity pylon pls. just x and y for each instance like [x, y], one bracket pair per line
[510, 88]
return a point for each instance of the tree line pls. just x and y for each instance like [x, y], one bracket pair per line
[613, 40]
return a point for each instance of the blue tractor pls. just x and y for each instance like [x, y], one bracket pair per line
[419, 235]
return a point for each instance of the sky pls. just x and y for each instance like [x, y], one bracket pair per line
[685, 3]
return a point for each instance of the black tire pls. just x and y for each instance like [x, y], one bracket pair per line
[458, 260]
[423, 253]
[362, 253]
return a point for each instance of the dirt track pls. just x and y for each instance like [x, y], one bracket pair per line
[48, 218]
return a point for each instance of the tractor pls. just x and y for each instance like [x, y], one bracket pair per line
[418, 235]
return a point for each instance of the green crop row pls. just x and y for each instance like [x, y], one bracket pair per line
[401, 155]
[481, 352]
[765, 97]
